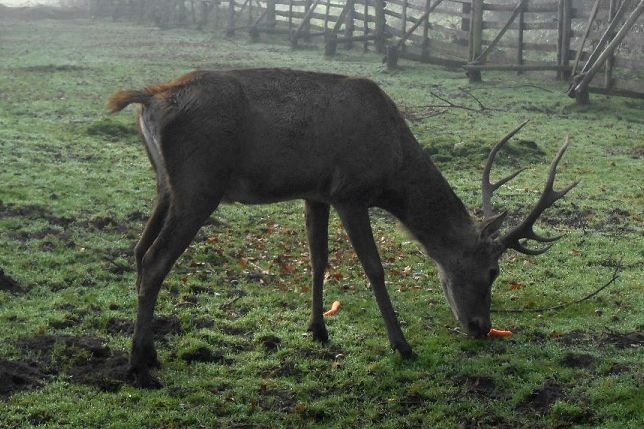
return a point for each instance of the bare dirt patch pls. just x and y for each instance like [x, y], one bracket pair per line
[32, 211]
[578, 360]
[20, 377]
[620, 340]
[276, 399]
[25, 236]
[541, 399]
[286, 368]
[204, 354]
[271, 343]
[414, 400]
[487, 421]
[162, 326]
[8, 284]
[483, 386]
[572, 217]
[84, 360]
[70, 320]
[203, 323]
[105, 223]
[625, 340]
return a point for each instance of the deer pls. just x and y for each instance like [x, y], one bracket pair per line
[259, 136]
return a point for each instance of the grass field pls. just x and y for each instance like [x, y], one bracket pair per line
[76, 189]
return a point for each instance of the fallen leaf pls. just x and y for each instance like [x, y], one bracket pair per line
[516, 285]
[334, 275]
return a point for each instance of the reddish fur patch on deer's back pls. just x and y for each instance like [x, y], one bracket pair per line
[120, 99]
[176, 83]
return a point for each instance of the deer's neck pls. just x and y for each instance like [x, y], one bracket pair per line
[431, 210]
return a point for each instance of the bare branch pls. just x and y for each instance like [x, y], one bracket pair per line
[618, 267]
[451, 105]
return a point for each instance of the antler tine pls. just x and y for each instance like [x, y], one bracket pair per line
[527, 251]
[531, 235]
[488, 188]
[547, 199]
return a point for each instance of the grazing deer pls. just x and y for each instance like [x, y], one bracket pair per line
[268, 135]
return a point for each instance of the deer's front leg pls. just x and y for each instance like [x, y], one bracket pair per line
[317, 231]
[356, 222]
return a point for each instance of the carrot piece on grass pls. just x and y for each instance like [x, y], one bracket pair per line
[499, 333]
[334, 308]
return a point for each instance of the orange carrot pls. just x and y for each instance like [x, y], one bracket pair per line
[334, 308]
[499, 333]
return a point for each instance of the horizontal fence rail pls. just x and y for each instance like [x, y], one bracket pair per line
[478, 35]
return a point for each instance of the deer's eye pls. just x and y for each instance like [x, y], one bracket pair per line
[493, 274]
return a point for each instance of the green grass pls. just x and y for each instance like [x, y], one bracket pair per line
[76, 187]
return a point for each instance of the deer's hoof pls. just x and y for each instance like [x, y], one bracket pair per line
[153, 362]
[319, 331]
[143, 379]
[405, 351]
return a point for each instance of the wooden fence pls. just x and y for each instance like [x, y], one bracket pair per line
[478, 35]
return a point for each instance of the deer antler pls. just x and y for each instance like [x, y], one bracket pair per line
[525, 229]
[548, 198]
[488, 188]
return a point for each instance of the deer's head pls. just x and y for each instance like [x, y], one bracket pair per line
[467, 274]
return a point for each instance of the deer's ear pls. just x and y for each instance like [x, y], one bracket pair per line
[491, 225]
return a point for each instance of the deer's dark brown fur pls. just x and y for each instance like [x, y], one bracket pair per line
[268, 135]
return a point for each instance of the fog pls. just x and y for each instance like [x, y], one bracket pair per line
[29, 2]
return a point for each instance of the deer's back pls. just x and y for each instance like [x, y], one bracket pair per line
[282, 134]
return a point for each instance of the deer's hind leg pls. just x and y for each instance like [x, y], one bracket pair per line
[317, 231]
[189, 206]
[151, 231]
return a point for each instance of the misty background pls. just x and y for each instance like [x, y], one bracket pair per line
[30, 2]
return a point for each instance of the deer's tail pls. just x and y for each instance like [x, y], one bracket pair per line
[120, 99]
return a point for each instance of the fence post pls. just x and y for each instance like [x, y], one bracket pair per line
[392, 56]
[476, 37]
[330, 44]
[270, 13]
[403, 21]
[349, 26]
[230, 30]
[466, 11]
[326, 15]
[182, 13]
[425, 52]
[565, 37]
[380, 26]
[306, 30]
[217, 17]
[365, 27]
[562, 50]
[521, 25]
[608, 71]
